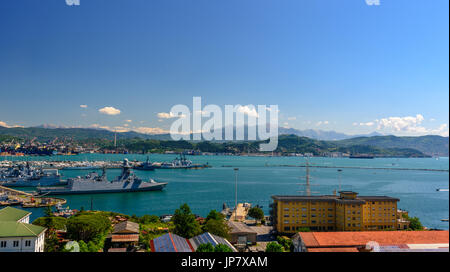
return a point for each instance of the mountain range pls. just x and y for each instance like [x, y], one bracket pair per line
[430, 144]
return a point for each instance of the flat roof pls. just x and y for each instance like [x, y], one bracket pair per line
[361, 238]
[301, 197]
[239, 227]
[331, 198]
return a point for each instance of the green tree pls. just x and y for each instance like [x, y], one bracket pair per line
[217, 227]
[285, 242]
[184, 222]
[205, 248]
[147, 219]
[54, 222]
[87, 226]
[256, 213]
[213, 214]
[415, 223]
[274, 247]
[222, 248]
[83, 246]
[48, 211]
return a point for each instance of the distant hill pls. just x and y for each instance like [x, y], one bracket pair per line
[318, 134]
[293, 143]
[430, 144]
[47, 134]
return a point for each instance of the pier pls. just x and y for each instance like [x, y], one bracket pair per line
[12, 197]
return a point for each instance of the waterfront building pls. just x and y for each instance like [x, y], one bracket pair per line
[346, 212]
[17, 235]
[366, 241]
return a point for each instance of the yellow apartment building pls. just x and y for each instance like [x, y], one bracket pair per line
[346, 212]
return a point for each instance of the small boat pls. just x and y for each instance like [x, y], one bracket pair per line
[442, 190]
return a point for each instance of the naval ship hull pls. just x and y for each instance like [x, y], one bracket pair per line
[17, 182]
[103, 190]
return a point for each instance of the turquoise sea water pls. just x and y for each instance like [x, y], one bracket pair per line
[261, 177]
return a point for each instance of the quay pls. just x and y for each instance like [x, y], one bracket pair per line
[12, 197]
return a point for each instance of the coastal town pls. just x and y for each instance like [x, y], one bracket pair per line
[324, 223]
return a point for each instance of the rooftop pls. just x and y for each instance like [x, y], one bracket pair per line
[383, 238]
[331, 198]
[126, 227]
[239, 227]
[16, 229]
[12, 214]
[171, 242]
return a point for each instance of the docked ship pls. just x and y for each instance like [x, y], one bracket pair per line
[94, 183]
[147, 166]
[27, 176]
[180, 163]
[83, 166]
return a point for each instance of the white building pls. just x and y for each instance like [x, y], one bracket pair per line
[17, 235]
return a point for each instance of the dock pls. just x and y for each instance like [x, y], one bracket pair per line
[12, 197]
[240, 212]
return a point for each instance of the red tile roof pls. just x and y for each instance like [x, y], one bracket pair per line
[125, 238]
[360, 238]
[334, 249]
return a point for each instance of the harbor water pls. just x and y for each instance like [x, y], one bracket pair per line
[261, 177]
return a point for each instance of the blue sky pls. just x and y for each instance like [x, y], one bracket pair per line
[327, 64]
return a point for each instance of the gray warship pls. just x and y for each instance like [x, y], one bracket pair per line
[27, 176]
[94, 183]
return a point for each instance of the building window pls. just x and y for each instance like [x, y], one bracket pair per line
[15, 243]
[27, 243]
[3, 244]
[287, 228]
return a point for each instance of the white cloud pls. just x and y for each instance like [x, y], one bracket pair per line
[368, 124]
[248, 110]
[168, 115]
[4, 124]
[83, 106]
[322, 123]
[150, 130]
[99, 126]
[109, 111]
[292, 118]
[406, 125]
